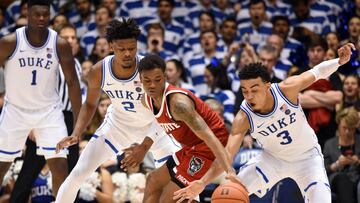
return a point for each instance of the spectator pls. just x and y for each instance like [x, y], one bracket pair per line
[41, 190]
[111, 5]
[333, 41]
[104, 103]
[58, 21]
[354, 30]
[268, 56]
[220, 88]
[341, 156]
[319, 99]
[102, 18]
[228, 31]
[82, 17]
[175, 75]
[101, 50]
[216, 106]
[258, 29]
[351, 90]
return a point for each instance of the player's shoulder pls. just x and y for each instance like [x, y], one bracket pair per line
[9, 40]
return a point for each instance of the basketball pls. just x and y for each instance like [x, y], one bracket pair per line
[230, 193]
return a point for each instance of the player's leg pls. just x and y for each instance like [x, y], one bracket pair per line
[310, 175]
[4, 167]
[155, 182]
[59, 171]
[95, 153]
[30, 170]
[259, 174]
[73, 155]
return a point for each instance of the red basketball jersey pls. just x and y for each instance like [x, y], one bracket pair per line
[179, 130]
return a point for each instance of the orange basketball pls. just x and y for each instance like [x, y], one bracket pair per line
[230, 193]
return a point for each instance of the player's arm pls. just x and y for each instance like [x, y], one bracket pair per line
[182, 109]
[295, 84]
[239, 128]
[67, 64]
[8, 45]
[89, 107]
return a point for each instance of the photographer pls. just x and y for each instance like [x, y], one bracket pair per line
[155, 42]
[341, 156]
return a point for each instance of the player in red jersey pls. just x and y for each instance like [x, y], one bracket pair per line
[199, 130]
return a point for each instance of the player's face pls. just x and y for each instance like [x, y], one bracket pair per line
[255, 92]
[153, 82]
[39, 17]
[125, 51]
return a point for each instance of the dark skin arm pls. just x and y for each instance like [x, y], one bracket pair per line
[183, 109]
[7, 44]
[88, 109]
[67, 64]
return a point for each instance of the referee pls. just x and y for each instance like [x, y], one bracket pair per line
[32, 162]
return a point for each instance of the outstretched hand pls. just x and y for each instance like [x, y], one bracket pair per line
[66, 142]
[134, 155]
[345, 52]
[190, 192]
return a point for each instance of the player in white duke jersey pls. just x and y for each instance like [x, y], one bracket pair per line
[126, 121]
[31, 57]
[272, 115]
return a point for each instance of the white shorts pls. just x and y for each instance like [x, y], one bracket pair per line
[47, 124]
[121, 136]
[262, 172]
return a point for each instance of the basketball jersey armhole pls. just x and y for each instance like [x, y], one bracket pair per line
[56, 47]
[281, 94]
[168, 102]
[249, 118]
[103, 72]
[17, 39]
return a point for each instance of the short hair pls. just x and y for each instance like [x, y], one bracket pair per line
[107, 9]
[124, 29]
[207, 31]
[156, 26]
[253, 71]
[38, 3]
[208, 13]
[268, 48]
[253, 2]
[277, 18]
[228, 19]
[171, 2]
[317, 40]
[151, 62]
[349, 115]
[65, 26]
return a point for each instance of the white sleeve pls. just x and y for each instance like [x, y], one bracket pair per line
[325, 69]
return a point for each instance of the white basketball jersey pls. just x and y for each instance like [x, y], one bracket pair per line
[31, 73]
[125, 95]
[284, 132]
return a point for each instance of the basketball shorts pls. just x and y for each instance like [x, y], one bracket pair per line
[262, 172]
[47, 125]
[190, 164]
[119, 136]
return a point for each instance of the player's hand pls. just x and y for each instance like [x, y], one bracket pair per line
[66, 142]
[233, 178]
[134, 155]
[344, 53]
[190, 192]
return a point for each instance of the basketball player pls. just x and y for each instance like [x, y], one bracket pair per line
[126, 121]
[191, 122]
[273, 116]
[31, 57]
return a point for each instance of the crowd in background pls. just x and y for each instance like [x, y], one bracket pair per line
[205, 43]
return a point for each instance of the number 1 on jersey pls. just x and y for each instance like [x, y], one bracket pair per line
[33, 77]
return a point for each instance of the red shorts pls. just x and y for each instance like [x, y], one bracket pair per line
[190, 164]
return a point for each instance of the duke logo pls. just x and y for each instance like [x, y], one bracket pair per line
[195, 165]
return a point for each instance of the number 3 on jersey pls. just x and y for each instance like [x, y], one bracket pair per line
[129, 106]
[285, 135]
[33, 82]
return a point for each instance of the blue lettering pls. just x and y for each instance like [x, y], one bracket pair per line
[129, 95]
[282, 123]
[22, 62]
[39, 62]
[139, 97]
[272, 130]
[48, 63]
[117, 94]
[110, 94]
[292, 118]
[264, 133]
[31, 61]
